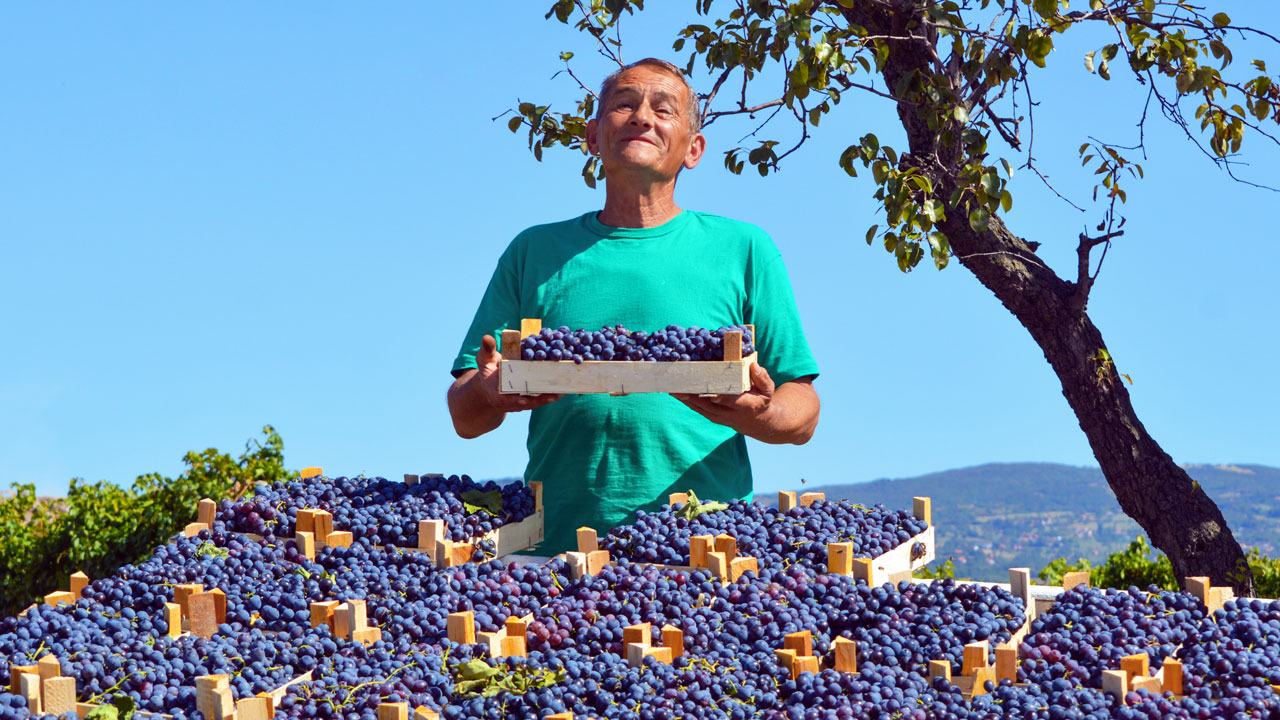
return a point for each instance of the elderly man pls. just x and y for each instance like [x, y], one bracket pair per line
[644, 263]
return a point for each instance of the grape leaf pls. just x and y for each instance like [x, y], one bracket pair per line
[121, 708]
[210, 550]
[695, 507]
[474, 501]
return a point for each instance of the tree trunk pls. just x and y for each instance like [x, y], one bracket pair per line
[1181, 520]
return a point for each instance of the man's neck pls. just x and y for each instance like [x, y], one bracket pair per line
[647, 209]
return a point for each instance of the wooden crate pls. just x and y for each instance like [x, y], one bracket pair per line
[731, 376]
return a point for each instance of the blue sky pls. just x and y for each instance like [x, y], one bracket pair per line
[218, 217]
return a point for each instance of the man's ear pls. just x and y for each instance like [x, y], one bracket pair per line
[593, 139]
[697, 147]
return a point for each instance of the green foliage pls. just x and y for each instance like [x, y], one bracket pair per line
[478, 677]
[1136, 566]
[957, 72]
[941, 571]
[99, 526]
[696, 507]
[475, 501]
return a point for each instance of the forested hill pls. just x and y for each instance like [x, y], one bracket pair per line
[994, 517]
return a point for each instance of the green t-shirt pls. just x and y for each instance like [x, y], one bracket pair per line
[600, 458]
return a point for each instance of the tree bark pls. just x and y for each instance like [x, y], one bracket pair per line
[1180, 519]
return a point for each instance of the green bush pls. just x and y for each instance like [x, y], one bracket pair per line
[1136, 566]
[99, 526]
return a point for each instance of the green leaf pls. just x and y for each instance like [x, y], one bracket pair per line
[208, 549]
[1088, 60]
[979, 218]
[122, 707]
[871, 234]
[1008, 169]
[1006, 200]
[1103, 71]
[103, 712]
[514, 123]
[1221, 19]
[962, 114]
[695, 507]
[474, 501]
[476, 670]
[932, 209]
[940, 248]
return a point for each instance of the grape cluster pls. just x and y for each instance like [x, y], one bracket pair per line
[378, 510]
[1089, 630]
[799, 535]
[114, 639]
[671, 344]
[1238, 647]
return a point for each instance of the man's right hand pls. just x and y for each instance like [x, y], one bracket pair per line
[475, 403]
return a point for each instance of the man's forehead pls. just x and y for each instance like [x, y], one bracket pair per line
[639, 78]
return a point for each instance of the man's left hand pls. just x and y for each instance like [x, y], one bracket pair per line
[740, 412]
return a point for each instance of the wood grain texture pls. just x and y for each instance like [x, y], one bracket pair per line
[531, 377]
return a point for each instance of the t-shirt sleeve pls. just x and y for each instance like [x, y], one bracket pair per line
[499, 309]
[771, 307]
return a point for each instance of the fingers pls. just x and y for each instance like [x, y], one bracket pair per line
[760, 380]
[488, 351]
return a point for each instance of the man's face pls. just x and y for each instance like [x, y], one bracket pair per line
[644, 127]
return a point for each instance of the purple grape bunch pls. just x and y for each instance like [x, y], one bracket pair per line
[671, 344]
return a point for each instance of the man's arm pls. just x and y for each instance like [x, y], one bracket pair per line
[475, 404]
[786, 414]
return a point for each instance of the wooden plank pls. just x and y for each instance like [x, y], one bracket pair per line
[309, 472]
[922, 509]
[322, 612]
[430, 533]
[899, 559]
[323, 523]
[204, 615]
[528, 377]
[1020, 587]
[278, 694]
[522, 535]
[587, 539]
[740, 565]
[193, 529]
[1150, 684]
[207, 511]
[461, 627]
[306, 543]
[1007, 663]
[492, 641]
[536, 487]
[422, 712]
[29, 689]
[530, 326]
[801, 642]
[786, 500]
[79, 581]
[641, 633]
[366, 636]
[394, 711]
[1116, 682]
[677, 498]
[976, 655]
[339, 538]
[846, 655]
[306, 521]
[810, 498]
[636, 653]
[728, 545]
[1074, 579]
[804, 664]
[981, 677]
[342, 621]
[15, 676]
[173, 618]
[182, 595]
[840, 558]
[357, 614]
[219, 605]
[1138, 665]
[732, 345]
[48, 667]
[255, 708]
[1171, 676]
[661, 654]
[864, 569]
[53, 599]
[940, 668]
[699, 546]
[515, 646]
[510, 347]
[410, 479]
[719, 565]
[673, 637]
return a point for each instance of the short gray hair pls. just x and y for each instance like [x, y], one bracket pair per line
[691, 102]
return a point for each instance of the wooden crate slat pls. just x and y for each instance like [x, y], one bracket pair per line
[625, 377]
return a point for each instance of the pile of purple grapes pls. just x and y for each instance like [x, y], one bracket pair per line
[671, 344]
[115, 642]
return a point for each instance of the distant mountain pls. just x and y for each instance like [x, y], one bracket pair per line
[993, 517]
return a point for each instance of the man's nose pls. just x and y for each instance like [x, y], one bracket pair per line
[643, 115]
